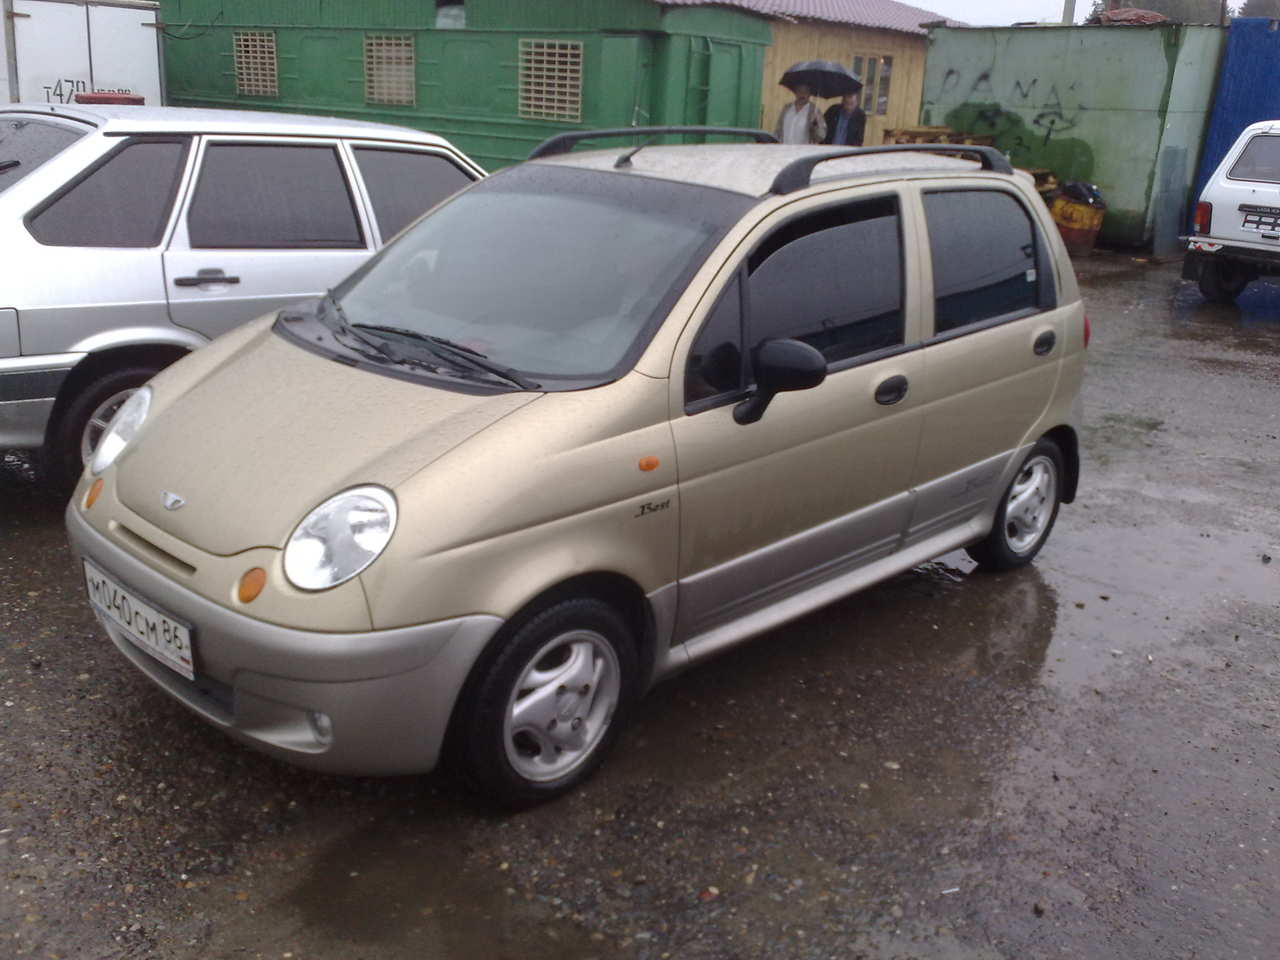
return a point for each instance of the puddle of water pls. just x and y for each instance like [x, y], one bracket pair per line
[410, 886]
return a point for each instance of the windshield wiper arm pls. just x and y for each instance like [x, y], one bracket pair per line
[456, 351]
[379, 346]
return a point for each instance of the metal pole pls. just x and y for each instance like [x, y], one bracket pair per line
[1069, 11]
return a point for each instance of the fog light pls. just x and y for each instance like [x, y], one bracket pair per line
[251, 584]
[91, 497]
[321, 726]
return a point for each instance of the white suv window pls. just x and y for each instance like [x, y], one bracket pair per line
[1259, 161]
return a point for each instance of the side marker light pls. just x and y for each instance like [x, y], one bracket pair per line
[95, 491]
[649, 463]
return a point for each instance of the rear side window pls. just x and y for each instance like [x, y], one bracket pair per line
[123, 201]
[404, 184]
[26, 144]
[1260, 161]
[832, 280]
[268, 196]
[986, 260]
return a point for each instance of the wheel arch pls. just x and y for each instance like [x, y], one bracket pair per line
[101, 362]
[1066, 440]
[616, 589]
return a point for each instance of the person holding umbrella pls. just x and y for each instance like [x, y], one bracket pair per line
[846, 122]
[801, 122]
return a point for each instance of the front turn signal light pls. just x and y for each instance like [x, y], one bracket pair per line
[251, 584]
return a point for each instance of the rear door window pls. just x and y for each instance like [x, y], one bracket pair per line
[1259, 161]
[404, 184]
[989, 262]
[25, 144]
[122, 201]
[273, 197]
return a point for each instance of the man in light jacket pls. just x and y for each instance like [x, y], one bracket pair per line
[801, 121]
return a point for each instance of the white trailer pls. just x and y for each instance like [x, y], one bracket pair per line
[54, 49]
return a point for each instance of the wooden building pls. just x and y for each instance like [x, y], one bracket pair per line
[882, 41]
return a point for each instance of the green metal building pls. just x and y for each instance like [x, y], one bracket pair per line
[1123, 107]
[496, 77]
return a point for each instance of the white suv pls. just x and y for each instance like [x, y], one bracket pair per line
[1237, 224]
[134, 235]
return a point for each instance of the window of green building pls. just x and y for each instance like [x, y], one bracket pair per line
[551, 80]
[255, 62]
[389, 69]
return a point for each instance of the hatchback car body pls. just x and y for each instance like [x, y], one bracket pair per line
[133, 235]
[586, 423]
[1237, 221]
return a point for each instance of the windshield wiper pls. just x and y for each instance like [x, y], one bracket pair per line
[442, 346]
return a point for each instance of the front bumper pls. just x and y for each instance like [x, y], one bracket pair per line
[385, 695]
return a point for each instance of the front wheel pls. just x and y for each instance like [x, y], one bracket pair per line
[543, 712]
[1027, 512]
[1221, 280]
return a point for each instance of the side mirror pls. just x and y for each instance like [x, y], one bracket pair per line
[780, 365]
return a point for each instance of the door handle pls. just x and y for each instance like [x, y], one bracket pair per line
[1044, 343]
[208, 275]
[891, 391]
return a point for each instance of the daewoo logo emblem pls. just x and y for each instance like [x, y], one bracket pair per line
[171, 500]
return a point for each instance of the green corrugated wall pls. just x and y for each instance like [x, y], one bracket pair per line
[641, 64]
[1122, 107]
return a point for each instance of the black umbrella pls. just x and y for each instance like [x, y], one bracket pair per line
[824, 78]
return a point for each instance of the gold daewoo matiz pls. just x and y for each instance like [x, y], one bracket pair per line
[592, 419]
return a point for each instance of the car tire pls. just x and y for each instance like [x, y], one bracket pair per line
[1028, 510]
[541, 714]
[1221, 280]
[83, 422]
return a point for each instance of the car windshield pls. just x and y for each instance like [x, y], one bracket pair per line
[26, 143]
[558, 273]
[1260, 161]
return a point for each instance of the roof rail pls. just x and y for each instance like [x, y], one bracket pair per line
[797, 174]
[564, 142]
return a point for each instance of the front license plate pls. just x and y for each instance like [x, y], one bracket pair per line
[154, 631]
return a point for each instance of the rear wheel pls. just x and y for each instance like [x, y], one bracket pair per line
[1222, 280]
[541, 714]
[1027, 512]
[83, 423]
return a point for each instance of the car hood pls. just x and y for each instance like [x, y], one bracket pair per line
[276, 429]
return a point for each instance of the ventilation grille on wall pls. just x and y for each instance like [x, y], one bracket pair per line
[255, 56]
[551, 80]
[389, 69]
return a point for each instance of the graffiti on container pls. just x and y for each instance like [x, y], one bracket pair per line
[1027, 121]
[1052, 116]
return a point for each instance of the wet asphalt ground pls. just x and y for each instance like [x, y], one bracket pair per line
[1078, 759]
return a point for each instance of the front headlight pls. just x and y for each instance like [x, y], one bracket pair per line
[339, 538]
[121, 430]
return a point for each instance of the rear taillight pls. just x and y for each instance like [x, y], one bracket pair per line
[1204, 216]
[1087, 330]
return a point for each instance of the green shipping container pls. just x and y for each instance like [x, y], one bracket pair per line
[516, 73]
[1121, 107]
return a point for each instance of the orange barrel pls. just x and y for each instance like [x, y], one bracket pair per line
[1078, 223]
